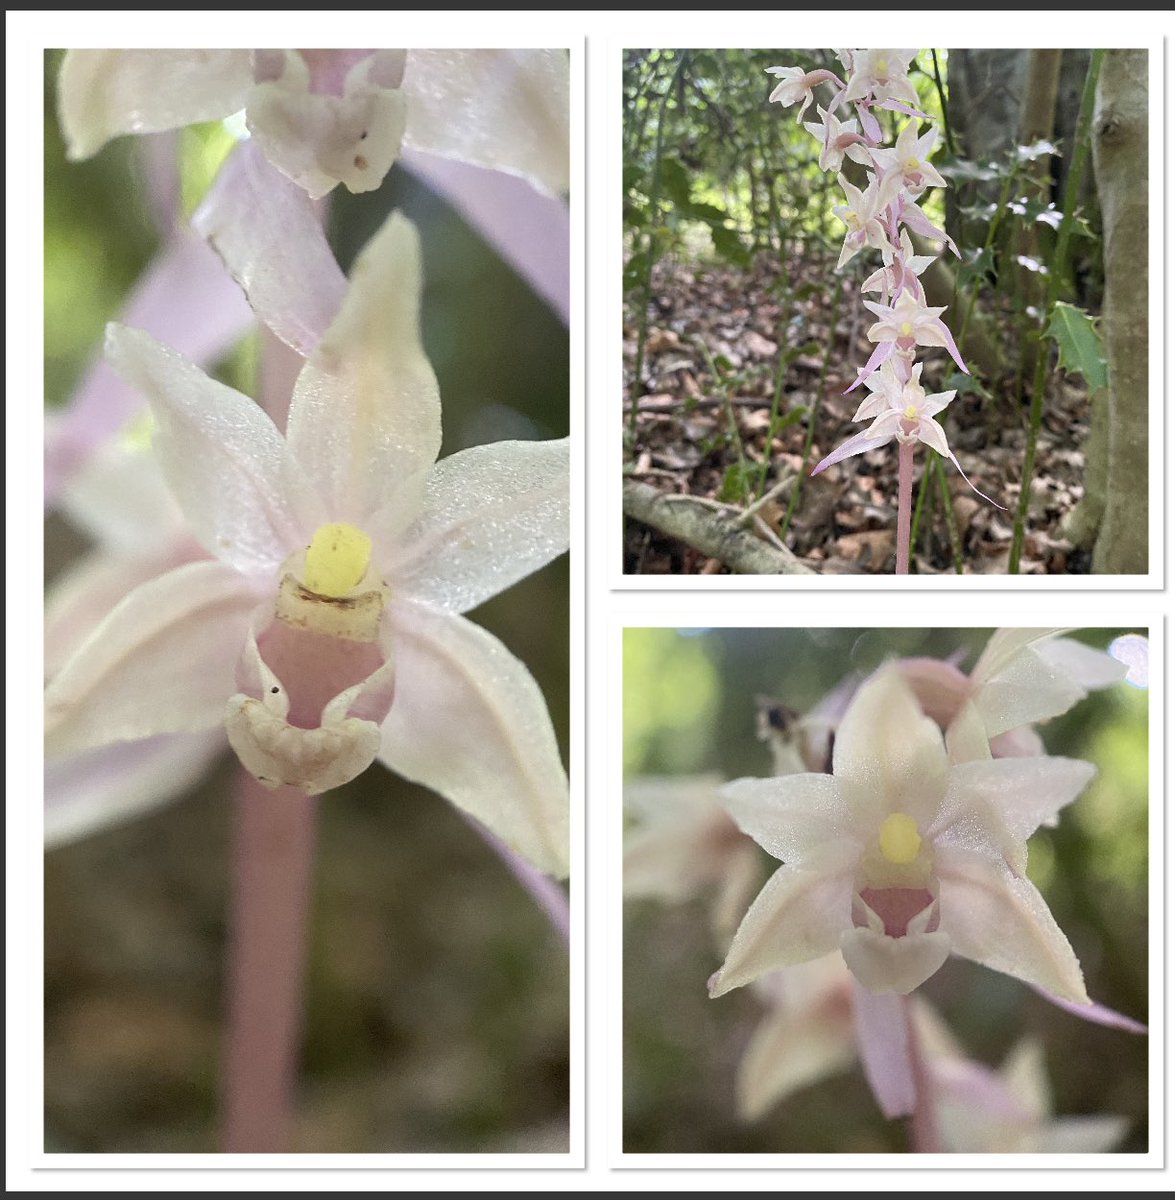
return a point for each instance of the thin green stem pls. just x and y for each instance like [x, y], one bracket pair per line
[731, 420]
[780, 376]
[794, 498]
[1056, 268]
[949, 510]
[646, 291]
[942, 99]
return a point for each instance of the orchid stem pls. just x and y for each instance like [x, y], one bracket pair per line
[924, 1138]
[905, 504]
[272, 867]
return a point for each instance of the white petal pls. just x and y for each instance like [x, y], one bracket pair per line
[1007, 800]
[999, 919]
[507, 109]
[365, 421]
[966, 737]
[87, 792]
[887, 964]
[221, 455]
[1003, 647]
[491, 516]
[1088, 667]
[469, 721]
[789, 1051]
[161, 662]
[888, 756]
[798, 916]
[1081, 1135]
[1026, 690]
[270, 238]
[321, 140]
[82, 596]
[790, 817]
[104, 93]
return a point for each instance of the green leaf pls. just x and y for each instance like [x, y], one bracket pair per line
[736, 483]
[793, 416]
[966, 385]
[729, 245]
[675, 182]
[1079, 343]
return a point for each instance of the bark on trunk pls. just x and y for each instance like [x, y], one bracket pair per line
[1120, 148]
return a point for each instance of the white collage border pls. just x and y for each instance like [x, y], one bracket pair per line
[603, 600]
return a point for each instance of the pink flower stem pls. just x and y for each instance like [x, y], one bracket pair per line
[272, 867]
[905, 495]
[924, 1137]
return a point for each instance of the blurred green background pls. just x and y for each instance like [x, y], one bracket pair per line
[689, 707]
[438, 996]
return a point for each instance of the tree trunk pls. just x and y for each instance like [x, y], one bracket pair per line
[1120, 149]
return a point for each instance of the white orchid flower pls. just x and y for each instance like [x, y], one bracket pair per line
[796, 86]
[863, 217]
[326, 117]
[839, 138]
[325, 630]
[1010, 1111]
[908, 158]
[900, 858]
[683, 844]
[881, 75]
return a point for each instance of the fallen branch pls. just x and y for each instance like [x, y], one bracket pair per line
[717, 534]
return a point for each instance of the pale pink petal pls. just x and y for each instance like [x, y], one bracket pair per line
[530, 230]
[880, 353]
[266, 230]
[491, 516]
[81, 597]
[104, 93]
[859, 443]
[798, 916]
[790, 817]
[161, 662]
[883, 1041]
[999, 919]
[469, 721]
[940, 687]
[787, 1052]
[185, 299]
[506, 109]
[221, 455]
[87, 792]
[1007, 800]
[888, 756]
[365, 422]
[1097, 1014]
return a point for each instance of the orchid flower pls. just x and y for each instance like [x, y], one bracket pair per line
[683, 844]
[900, 274]
[325, 629]
[862, 217]
[879, 75]
[901, 412]
[900, 858]
[1009, 1111]
[1023, 677]
[796, 85]
[326, 117]
[910, 215]
[839, 138]
[807, 1034]
[907, 160]
[902, 325]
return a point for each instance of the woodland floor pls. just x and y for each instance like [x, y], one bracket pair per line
[844, 520]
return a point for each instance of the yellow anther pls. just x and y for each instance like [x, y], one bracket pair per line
[881, 68]
[911, 413]
[912, 164]
[336, 559]
[906, 329]
[899, 839]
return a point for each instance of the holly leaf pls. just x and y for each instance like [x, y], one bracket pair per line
[1079, 343]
